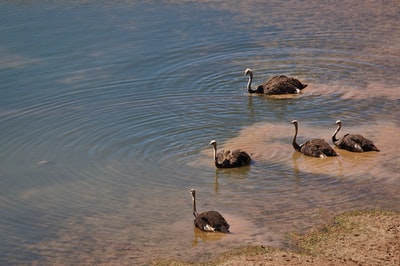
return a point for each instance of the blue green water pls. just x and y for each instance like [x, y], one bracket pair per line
[107, 109]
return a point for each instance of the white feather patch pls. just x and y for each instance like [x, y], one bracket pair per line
[209, 228]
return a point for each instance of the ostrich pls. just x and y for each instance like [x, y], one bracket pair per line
[275, 85]
[228, 159]
[315, 147]
[352, 142]
[209, 221]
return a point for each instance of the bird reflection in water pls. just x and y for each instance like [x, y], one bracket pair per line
[202, 236]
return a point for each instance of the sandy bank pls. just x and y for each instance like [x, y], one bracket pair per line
[352, 238]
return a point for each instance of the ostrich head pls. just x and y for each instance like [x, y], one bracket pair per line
[192, 192]
[213, 142]
[248, 72]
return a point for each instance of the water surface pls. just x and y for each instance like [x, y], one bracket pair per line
[107, 109]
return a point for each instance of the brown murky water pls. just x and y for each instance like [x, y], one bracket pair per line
[265, 144]
[106, 124]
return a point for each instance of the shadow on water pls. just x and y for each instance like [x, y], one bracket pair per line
[238, 174]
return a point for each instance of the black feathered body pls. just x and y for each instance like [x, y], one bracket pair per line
[211, 221]
[355, 143]
[230, 159]
[317, 148]
[281, 85]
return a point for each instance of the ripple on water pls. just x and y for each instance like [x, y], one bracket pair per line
[126, 127]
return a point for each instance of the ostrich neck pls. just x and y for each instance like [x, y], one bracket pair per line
[215, 155]
[215, 152]
[295, 145]
[334, 139]
[195, 214]
[249, 83]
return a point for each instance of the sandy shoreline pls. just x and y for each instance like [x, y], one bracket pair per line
[351, 238]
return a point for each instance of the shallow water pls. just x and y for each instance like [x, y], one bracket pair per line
[107, 109]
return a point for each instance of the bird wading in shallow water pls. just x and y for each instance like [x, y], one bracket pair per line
[315, 147]
[230, 159]
[352, 142]
[275, 85]
[209, 221]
